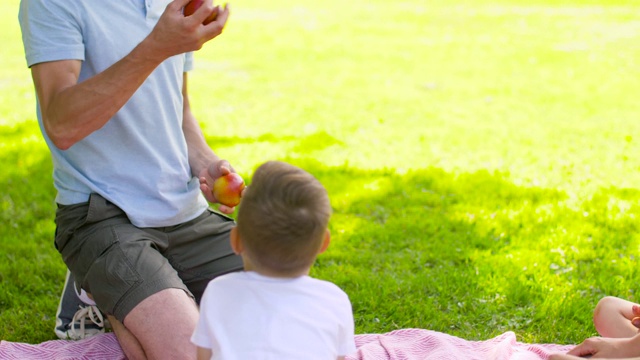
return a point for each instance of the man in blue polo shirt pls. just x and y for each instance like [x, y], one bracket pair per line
[132, 170]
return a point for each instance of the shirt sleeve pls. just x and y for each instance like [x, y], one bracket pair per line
[188, 61]
[50, 31]
[347, 337]
[201, 336]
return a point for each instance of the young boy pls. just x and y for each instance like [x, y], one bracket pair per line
[617, 321]
[273, 309]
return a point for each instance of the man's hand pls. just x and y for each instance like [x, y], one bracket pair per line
[208, 175]
[176, 34]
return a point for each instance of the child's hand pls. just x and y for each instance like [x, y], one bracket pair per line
[605, 348]
[562, 357]
[635, 321]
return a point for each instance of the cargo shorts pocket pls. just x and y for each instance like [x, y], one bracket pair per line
[112, 275]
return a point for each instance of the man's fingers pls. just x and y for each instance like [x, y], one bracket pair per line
[221, 19]
[204, 11]
[226, 209]
[214, 15]
[203, 14]
[177, 5]
[224, 14]
[223, 168]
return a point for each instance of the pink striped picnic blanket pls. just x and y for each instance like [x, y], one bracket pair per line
[405, 344]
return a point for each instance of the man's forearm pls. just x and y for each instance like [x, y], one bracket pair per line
[200, 154]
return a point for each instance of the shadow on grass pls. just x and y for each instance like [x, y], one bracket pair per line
[312, 142]
[472, 255]
[415, 250]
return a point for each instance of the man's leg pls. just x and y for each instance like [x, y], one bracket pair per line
[170, 310]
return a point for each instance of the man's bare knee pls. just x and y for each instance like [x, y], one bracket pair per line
[163, 324]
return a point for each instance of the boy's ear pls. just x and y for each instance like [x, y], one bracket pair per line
[236, 243]
[325, 241]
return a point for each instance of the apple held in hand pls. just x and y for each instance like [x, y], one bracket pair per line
[194, 5]
[228, 188]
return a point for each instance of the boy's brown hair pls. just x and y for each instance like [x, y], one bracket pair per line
[282, 218]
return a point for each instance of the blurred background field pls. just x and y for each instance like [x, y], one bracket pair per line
[480, 156]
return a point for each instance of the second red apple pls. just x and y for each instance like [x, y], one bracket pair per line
[227, 189]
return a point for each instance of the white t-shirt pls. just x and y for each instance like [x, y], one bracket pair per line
[245, 315]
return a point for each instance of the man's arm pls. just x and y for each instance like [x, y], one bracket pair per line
[200, 154]
[204, 163]
[71, 110]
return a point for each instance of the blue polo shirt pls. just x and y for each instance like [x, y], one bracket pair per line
[138, 160]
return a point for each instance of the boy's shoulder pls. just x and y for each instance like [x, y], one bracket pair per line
[329, 288]
[229, 277]
[245, 277]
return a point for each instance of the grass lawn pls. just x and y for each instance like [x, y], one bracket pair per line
[481, 156]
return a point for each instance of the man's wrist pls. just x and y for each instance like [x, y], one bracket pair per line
[148, 51]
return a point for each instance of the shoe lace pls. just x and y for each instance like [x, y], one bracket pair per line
[82, 317]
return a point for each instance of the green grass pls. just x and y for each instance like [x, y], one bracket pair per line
[480, 156]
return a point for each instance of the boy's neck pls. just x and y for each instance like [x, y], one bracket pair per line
[274, 274]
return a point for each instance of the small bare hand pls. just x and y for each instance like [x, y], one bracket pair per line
[601, 347]
[635, 321]
[563, 357]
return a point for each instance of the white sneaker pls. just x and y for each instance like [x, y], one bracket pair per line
[87, 321]
[75, 319]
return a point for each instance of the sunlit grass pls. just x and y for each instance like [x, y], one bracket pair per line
[480, 156]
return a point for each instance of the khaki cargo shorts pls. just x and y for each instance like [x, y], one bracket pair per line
[120, 264]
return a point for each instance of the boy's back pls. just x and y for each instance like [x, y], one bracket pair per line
[259, 317]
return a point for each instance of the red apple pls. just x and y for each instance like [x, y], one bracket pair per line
[228, 188]
[193, 5]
